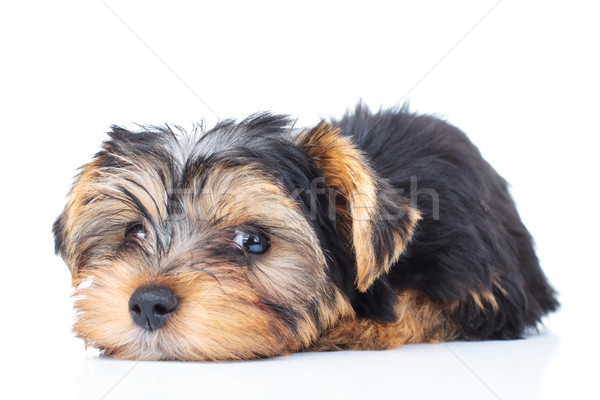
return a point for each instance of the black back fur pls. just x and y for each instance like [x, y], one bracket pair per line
[471, 238]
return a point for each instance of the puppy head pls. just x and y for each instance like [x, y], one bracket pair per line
[230, 224]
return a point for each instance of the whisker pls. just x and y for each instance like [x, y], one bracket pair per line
[191, 266]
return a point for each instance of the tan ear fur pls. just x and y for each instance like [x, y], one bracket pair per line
[376, 221]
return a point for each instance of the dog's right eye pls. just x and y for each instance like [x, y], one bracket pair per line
[135, 231]
[252, 242]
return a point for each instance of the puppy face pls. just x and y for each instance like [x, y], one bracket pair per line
[221, 246]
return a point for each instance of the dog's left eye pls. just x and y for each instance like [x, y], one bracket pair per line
[136, 230]
[252, 242]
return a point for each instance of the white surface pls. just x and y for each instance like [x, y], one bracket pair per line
[523, 83]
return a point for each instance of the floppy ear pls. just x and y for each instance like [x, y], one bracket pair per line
[63, 227]
[58, 229]
[377, 222]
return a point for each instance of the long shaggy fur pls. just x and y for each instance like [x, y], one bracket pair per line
[384, 229]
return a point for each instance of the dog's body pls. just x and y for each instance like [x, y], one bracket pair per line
[250, 241]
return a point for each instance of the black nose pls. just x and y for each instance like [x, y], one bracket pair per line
[151, 305]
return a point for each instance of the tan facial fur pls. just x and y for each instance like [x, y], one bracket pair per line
[191, 199]
[226, 310]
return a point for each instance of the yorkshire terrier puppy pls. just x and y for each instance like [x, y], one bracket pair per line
[253, 239]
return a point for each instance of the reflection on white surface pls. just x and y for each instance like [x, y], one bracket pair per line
[538, 367]
[541, 366]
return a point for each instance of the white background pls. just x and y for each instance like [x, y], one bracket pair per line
[521, 78]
